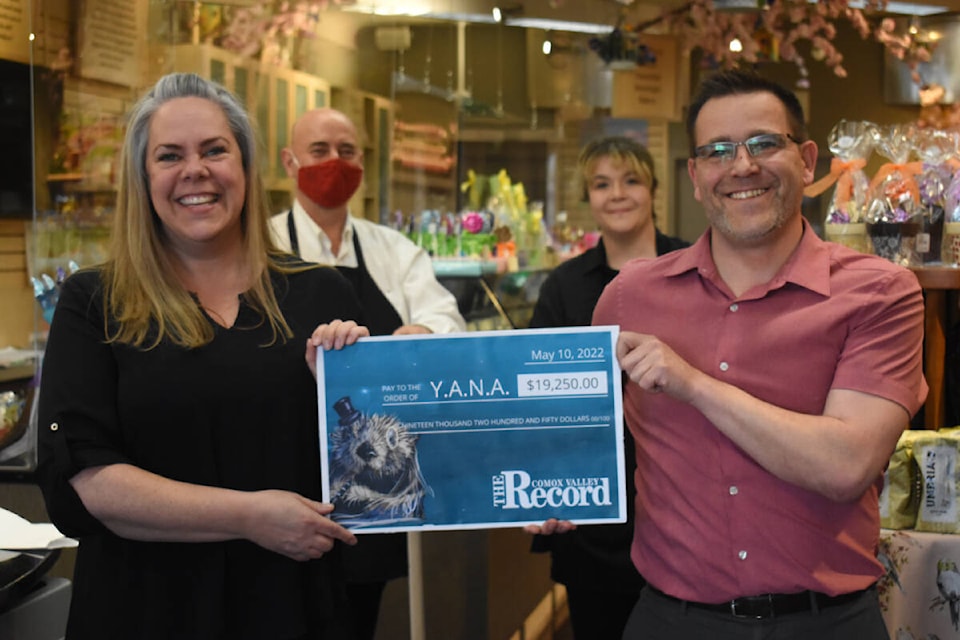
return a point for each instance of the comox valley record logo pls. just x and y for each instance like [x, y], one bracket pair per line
[517, 490]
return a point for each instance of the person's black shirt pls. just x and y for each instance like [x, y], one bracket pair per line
[595, 556]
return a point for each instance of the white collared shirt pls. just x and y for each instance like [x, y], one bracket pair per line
[401, 270]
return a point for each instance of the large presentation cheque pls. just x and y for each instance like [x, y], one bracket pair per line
[473, 430]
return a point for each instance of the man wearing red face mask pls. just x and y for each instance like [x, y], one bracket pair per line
[393, 278]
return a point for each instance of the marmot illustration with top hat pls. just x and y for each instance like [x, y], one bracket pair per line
[374, 471]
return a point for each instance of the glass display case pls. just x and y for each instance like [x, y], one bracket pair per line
[495, 301]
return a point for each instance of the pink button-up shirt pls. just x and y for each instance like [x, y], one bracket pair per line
[712, 524]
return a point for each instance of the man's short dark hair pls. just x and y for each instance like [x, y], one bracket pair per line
[736, 82]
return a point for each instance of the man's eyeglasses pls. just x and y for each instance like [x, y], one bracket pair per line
[761, 146]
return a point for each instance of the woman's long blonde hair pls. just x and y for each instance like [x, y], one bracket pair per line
[143, 296]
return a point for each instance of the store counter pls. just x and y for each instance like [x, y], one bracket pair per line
[914, 604]
[41, 614]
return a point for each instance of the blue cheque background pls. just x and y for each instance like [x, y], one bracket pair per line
[459, 467]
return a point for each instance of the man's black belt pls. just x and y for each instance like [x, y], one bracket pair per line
[770, 605]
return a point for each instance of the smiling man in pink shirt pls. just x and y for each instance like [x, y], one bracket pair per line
[768, 376]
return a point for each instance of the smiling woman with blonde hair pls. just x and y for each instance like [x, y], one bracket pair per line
[141, 290]
[180, 435]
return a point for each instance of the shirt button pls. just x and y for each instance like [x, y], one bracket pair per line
[742, 555]
[724, 366]
[734, 490]
[734, 307]
[54, 426]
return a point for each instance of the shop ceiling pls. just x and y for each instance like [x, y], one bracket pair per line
[588, 16]
[586, 13]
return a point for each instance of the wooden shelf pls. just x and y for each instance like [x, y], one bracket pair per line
[412, 178]
[79, 183]
[65, 177]
[937, 283]
[18, 372]
[938, 277]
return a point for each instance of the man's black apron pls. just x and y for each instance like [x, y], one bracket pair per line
[382, 556]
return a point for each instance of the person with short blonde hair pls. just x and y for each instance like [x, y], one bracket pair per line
[619, 183]
[618, 149]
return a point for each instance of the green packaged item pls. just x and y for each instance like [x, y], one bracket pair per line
[900, 497]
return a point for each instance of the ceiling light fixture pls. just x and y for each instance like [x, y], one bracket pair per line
[905, 8]
[420, 9]
[506, 13]
[546, 24]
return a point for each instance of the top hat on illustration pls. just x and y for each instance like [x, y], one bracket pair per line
[345, 409]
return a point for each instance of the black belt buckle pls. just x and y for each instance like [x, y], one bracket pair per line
[756, 608]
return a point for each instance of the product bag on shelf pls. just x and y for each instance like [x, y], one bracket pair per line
[950, 254]
[893, 212]
[935, 148]
[900, 497]
[937, 454]
[478, 240]
[851, 144]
